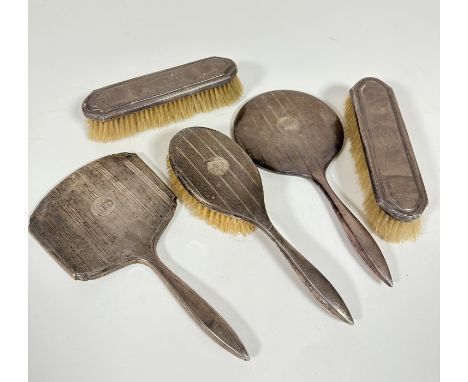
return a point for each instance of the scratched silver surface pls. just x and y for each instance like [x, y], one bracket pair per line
[396, 180]
[158, 88]
[103, 216]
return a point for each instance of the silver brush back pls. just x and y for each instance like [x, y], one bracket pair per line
[396, 180]
[158, 88]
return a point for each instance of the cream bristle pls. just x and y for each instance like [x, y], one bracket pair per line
[164, 114]
[223, 222]
[384, 225]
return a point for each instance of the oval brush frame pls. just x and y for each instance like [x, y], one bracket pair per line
[225, 223]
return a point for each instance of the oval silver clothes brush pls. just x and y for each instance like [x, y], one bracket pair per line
[110, 214]
[220, 183]
[294, 133]
[160, 98]
[395, 196]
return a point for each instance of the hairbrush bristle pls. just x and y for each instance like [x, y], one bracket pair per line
[384, 225]
[223, 222]
[166, 113]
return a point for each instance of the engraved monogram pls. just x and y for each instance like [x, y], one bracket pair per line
[288, 123]
[102, 206]
[217, 166]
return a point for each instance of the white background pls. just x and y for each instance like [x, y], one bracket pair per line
[127, 326]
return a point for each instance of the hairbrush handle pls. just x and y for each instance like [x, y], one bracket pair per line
[315, 281]
[358, 235]
[208, 318]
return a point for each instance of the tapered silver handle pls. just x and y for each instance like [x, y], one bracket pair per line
[315, 281]
[208, 318]
[358, 235]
